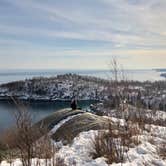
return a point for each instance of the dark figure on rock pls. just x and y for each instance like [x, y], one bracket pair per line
[73, 104]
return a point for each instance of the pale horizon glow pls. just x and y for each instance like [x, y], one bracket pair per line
[82, 34]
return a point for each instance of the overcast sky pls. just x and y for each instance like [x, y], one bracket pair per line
[82, 34]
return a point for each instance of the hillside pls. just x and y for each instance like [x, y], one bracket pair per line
[75, 134]
[152, 95]
[62, 87]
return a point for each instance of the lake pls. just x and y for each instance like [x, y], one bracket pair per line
[42, 109]
[38, 110]
[138, 75]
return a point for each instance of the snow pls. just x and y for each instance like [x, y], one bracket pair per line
[55, 88]
[79, 151]
[116, 120]
[55, 128]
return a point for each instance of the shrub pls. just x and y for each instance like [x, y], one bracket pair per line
[162, 150]
[114, 143]
[105, 144]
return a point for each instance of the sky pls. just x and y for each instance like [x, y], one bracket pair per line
[82, 34]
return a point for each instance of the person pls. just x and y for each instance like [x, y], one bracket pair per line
[73, 104]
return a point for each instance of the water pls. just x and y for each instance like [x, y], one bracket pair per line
[40, 110]
[139, 75]
[37, 109]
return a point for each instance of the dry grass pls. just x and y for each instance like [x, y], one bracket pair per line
[114, 144]
[162, 150]
[13, 146]
[107, 147]
[22, 141]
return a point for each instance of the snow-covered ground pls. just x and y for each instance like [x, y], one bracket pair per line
[62, 87]
[55, 88]
[79, 151]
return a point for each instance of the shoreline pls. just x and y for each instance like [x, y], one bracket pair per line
[163, 75]
[45, 100]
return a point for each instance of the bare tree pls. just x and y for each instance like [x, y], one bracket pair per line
[26, 141]
[24, 133]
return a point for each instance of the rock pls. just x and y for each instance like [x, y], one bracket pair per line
[50, 121]
[80, 123]
[83, 121]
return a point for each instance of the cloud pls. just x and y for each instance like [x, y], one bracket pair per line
[97, 28]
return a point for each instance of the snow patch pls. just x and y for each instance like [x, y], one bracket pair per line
[56, 127]
[79, 151]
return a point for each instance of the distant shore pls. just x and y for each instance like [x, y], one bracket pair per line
[7, 76]
[6, 98]
[163, 75]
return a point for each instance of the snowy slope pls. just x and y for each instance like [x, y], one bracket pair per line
[79, 151]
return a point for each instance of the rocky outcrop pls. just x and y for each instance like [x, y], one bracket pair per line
[50, 121]
[79, 121]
